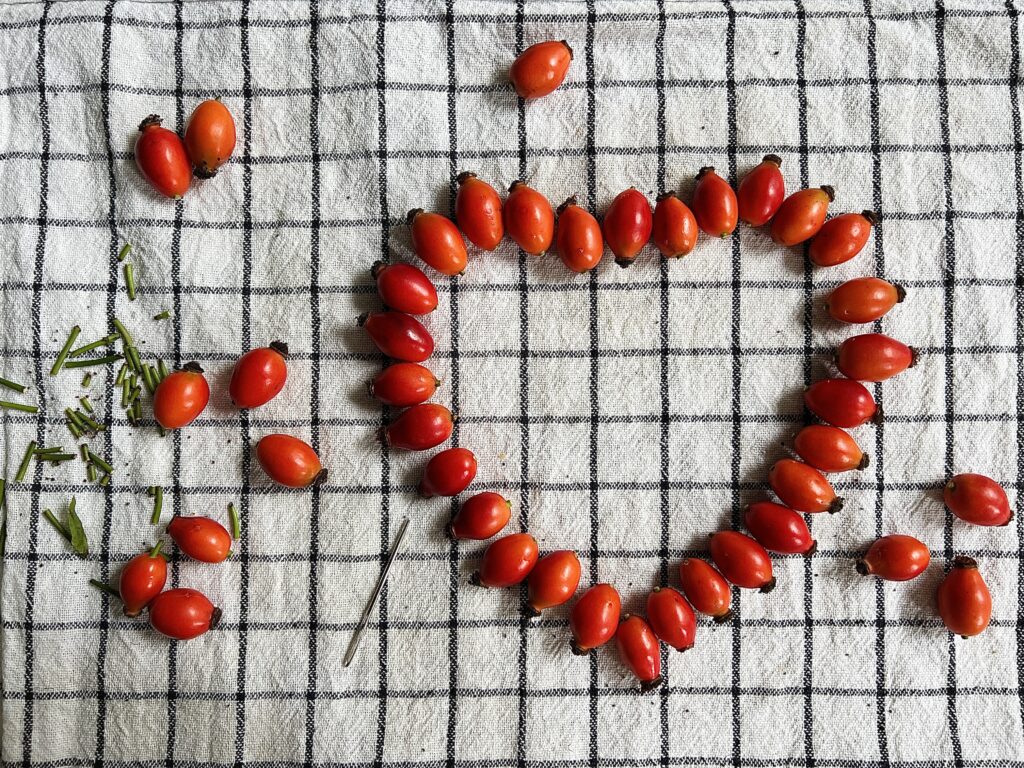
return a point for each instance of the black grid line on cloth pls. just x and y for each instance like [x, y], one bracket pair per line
[689, 760]
[244, 418]
[948, 323]
[881, 691]
[37, 312]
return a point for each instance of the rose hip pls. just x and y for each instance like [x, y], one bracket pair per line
[895, 558]
[873, 357]
[779, 529]
[552, 581]
[714, 204]
[481, 516]
[419, 428]
[478, 212]
[594, 618]
[289, 461]
[161, 157]
[398, 335]
[529, 220]
[404, 384]
[541, 68]
[829, 449]
[404, 288]
[201, 538]
[448, 473]
[638, 649]
[977, 499]
[841, 238]
[142, 579]
[627, 225]
[210, 137]
[840, 402]
[671, 618]
[507, 561]
[705, 588]
[863, 300]
[761, 192]
[742, 561]
[181, 397]
[801, 215]
[674, 229]
[965, 604]
[578, 237]
[259, 375]
[438, 242]
[803, 488]
[182, 614]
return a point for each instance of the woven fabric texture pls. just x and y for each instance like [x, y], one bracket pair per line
[626, 413]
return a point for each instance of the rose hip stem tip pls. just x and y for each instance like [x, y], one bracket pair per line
[665, 196]
[646, 686]
[215, 618]
[862, 567]
[516, 183]
[870, 216]
[571, 200]
[865, 461]
[192, 366]
[623, 262]
[812, 549]
[320, 478]
[705, 171]
[963, 561]
[148, 121]
[474, 579]
[465, 176]
[772, 159]
[376, 267]
[767, 587]
[836, 505]
[724, 618]
[530, 612]
[568, 47]
[576, 650]
[413, 214]
[280, 347]
[830, 191]
[901, 294]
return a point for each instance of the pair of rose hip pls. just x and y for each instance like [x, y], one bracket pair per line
[258, 376]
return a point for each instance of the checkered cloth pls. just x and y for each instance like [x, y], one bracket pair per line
[626, 413]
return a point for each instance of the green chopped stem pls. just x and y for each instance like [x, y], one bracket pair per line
[129, 281]
[105, 480]
[126, 338]
[155, 551]
[89, 362]
[7, 383]
[102, 586]
[161, 368]
[83, 450]
[74, 418]
[56, 458]
[57, 524]
[87, 380]
[106, 340]
[158, 504]
[148, 378]
[50, 449]
[84, 400]
[89, 421]
[125, 250]
[18, 407]
[90, 473]
[74, 430]
[236, 527]
[23, 467]
[133, 358]
[100, 462]
[134, 395]
[125, 391]
[3, 491]
[63, 355]
[121, 374]
[162, 315]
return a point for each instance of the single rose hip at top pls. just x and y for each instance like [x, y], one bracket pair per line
[801, 215]
[201, 538]
[181, 397]
[674, 229]
[779, 529]
[481, 516]
[398, 335]
[182, 614]
[404, 288]
[671, 618]
[541, 68]
[404, 384]
[259, 375]
[829, 449]
[639, 651]
[290, 461]
[841, 238]
[863, 300]
[142, 579]
[873, 357]
[161, 157]
[594, 618]
[578, 237]
[895, 558]
[802, 487]
[419, 428]
[210, 137]
[507, 561]
[552, 581]
[742, 561]
[840, 402]
[977, 499]
[627, 225]
[705, 588]
[478, 212]
[714, 204]
[529, 219]
[965, 604]
[448, 473]
[761, 192]
[437, 241]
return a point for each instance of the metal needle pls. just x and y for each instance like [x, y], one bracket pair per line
[357, 635]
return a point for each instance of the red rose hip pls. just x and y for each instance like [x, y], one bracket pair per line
[552, 581]
[873, 357]
[627, 225]
[259, 375]
[437, 241]
[801, 215]
[419, 428]
[841, 238]
[761, 192]
[674, 229]
[578, 237]
[478, 212]
[863, 300]
[398, 335]
[977, 499]
[210, 137]
[639, 651]
[895, 558]
[779, 529]
[448, 473]
[481, 516]
[965, 604]
[529, 219]
[705, 588]
[840, 402]
[181, 397]
[803, 488]
[507, 561]
[162, 158]
[183, 614]
[594, 618]
[541, 68]
[404, 288]
[142, 579]
[201, 538]
[671, 618]
[404, 384]
[290, 461]
[714, 204]
[742, 561]
[829, 449]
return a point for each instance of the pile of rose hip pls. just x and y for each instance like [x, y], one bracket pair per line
[527, 218]
[258, 376]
